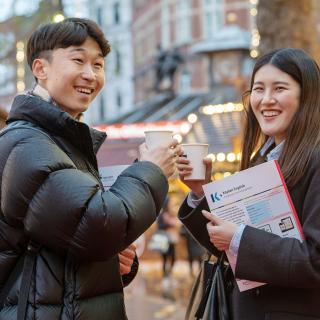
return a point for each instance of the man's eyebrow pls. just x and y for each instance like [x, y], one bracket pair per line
[83, 50]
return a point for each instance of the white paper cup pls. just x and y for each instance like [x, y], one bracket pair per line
[195, 153]
[156, 138]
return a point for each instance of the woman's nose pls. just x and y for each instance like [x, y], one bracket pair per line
[268, 98]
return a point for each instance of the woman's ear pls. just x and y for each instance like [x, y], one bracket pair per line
[40, 68]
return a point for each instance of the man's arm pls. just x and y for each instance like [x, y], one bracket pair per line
[65, 209]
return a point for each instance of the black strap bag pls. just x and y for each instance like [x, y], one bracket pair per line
[208, 299]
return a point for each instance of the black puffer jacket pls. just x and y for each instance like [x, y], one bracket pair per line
[60, 204]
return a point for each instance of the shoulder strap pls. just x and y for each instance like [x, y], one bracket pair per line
[11, 280]
[28, 268]
[24, 266]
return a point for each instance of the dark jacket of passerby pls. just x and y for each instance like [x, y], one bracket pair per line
[290, 268]
[51, 193]
[195, 250]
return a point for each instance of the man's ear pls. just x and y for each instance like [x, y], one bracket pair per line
[40, 68]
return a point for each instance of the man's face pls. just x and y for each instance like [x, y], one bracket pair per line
[74, 76]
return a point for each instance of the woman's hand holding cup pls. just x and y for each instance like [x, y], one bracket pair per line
[185, 170]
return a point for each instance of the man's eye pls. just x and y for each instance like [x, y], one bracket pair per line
[98, 65]
[78, 60]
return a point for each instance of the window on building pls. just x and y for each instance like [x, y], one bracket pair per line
[99, 16]
[183, 21]
[118, 65]
[213, 12]
[165, 25]
[102, 108]
[116, 13]
[185, 82]
[119, 100]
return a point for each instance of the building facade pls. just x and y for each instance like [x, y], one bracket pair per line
[117, 97]
[213, 37]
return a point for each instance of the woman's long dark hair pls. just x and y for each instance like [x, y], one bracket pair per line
[303, 133]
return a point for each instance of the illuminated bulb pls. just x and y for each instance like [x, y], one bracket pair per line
[58, 17]
[20, 45]
[20, 86]
[221, 157]
[20, 56]
[254, 53]
[185, 128]
[178, 137]
[231, 157]
[192, 118]
[212, 157]
[20, 72]
[253, 11]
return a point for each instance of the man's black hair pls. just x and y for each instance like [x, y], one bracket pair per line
[69, 32]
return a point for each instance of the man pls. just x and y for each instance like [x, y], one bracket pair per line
[60, 231]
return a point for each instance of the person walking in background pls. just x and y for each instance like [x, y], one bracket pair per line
[167, 222]
[194, 249]
[283, 123]
[65, 242]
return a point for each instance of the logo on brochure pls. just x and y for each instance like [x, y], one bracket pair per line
[215, 197]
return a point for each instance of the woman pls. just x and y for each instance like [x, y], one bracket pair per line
[283, 116]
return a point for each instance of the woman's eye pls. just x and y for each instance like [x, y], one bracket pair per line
[280, 88]
[78, 60]
[257, 89]
[99, 65]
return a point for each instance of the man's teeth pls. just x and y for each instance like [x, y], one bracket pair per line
[84, 90]
[270, 113]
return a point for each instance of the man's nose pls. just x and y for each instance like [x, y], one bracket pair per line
[88, 72]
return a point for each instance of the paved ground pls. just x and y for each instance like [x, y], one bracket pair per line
[152, 297]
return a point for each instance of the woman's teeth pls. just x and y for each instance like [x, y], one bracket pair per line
[267, 113]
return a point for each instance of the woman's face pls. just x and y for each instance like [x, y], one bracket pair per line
[274, 99]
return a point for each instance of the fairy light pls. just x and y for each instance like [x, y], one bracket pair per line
[221, 157]
[192, 118]
[222, 108]
[20, 57]
[255, 36]
[231, 157]
[178, 137]
[212, 157]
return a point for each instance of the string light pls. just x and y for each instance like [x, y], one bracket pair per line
[58, 18]
[20, 57]
[221, 157]
[178, 137]
[255, 36]
[212, 157]
[192, 118]
[222, 108]
[231, 157]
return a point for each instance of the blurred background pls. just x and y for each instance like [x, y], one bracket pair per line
[175, 64]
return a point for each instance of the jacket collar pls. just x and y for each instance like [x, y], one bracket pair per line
[49, 116]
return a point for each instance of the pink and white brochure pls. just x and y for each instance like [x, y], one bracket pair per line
[257, 197]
